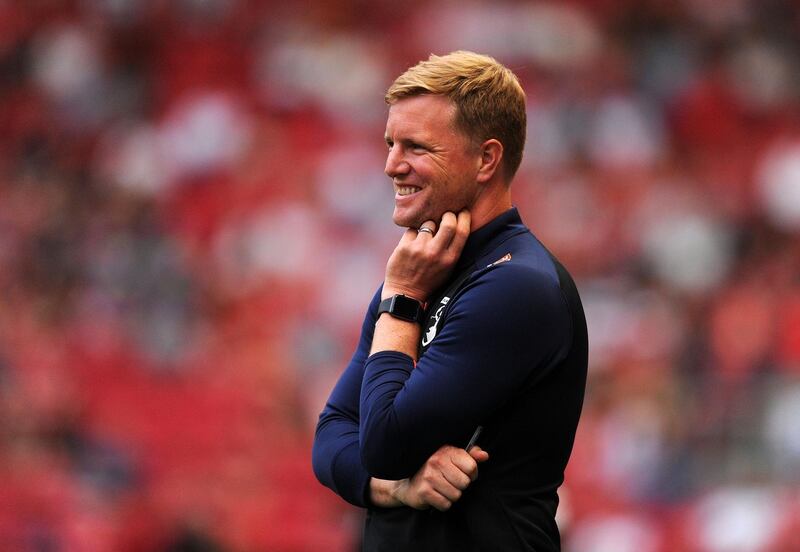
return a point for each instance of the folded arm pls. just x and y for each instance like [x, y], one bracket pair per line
[336, 456]
[506, 328]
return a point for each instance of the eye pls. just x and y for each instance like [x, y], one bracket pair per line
[389, 144]
[417, 147]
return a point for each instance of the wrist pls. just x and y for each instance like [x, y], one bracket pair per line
[398, 491]
[390, 290]
[403, 307]
[385, 493]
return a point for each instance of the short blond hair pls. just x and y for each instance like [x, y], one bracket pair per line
[489, 100]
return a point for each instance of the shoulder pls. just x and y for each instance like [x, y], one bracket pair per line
[520, 264]
[517, 282]
[515, 285]
[509, 307]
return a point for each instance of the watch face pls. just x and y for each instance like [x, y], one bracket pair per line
[405, 307]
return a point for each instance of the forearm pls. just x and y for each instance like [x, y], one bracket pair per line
[336, 457]
[390, 335]
[393, 334]
[336, 462]
[420, 263]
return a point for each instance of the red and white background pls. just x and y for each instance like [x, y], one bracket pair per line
[193, 217]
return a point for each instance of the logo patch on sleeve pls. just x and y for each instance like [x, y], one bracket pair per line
[431, 332]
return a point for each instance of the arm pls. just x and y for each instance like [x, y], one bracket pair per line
[420, 263]
[336, 456]
[505, 330]
[337, 463]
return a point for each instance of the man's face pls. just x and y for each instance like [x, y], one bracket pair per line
[432, 164]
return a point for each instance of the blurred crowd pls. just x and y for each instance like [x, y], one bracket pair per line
[194, 215]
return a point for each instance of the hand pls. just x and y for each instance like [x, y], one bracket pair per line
[442, 479]
[422, 261]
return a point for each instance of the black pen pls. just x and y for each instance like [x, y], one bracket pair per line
[474, 438]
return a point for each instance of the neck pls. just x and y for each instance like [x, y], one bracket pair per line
[495, 200]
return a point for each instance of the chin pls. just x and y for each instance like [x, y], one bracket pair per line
[406, 220]
[406, 224]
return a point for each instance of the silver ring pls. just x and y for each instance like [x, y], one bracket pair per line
[425, 229]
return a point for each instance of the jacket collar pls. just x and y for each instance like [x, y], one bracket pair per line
[485, 238]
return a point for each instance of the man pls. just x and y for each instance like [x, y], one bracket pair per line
[475, 325]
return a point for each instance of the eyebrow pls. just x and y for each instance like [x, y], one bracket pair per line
[418, 140]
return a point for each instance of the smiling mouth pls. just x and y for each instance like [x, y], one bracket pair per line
[407, 190]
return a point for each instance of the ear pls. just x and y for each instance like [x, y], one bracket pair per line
[491, 154]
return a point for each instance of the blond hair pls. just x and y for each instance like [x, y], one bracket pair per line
[489, 100]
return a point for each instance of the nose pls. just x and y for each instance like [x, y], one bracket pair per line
[396, 165]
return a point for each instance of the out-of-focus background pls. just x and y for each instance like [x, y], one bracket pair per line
[193, 217]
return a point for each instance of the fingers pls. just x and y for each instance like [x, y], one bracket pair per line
[453, 232]
[443, 478]
[458, 469]
[426, 256]
[463, 224]
[447, 228]
[409, 235]
[435, 489]
[448, 491]
[465, 462]
[439, 501]
[442, 493]
[458, 478]
[427, 228]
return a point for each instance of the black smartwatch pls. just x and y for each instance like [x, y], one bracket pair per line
[402, 307]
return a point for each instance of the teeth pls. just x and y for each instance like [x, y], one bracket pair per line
[406, 190]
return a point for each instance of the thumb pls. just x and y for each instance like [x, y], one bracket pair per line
[478, 454]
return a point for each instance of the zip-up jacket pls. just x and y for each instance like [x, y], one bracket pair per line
[504, 346]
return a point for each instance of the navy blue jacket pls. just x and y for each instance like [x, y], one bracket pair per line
[508, 351]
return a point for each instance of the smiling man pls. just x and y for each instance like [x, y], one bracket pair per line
[476, 334]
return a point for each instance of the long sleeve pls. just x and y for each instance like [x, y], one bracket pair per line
[504, 347]
[336, 455]
[508, 327]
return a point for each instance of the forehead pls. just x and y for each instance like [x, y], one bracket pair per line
[426, 114]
